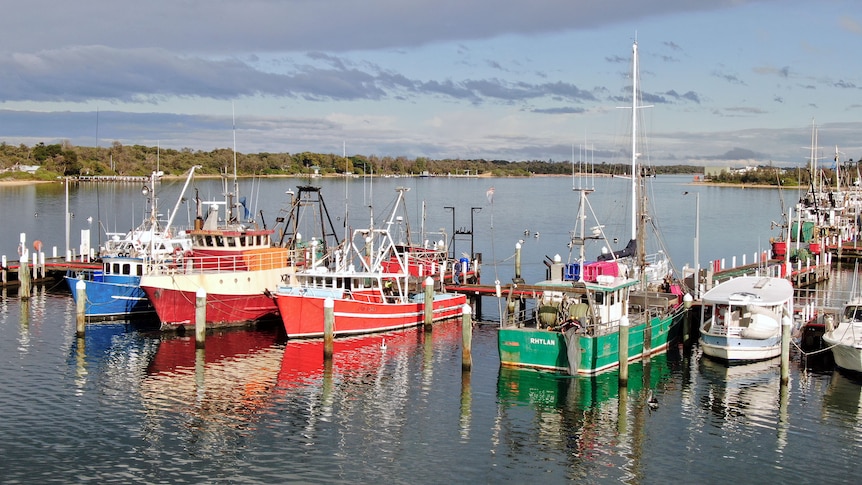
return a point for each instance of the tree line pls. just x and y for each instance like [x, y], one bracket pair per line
[64, 159]
[848, 174]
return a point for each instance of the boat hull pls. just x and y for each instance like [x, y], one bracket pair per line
[109, 300]
[303, 315]
[529, 347]
[233, 298]
[846, 351]
[736, 349]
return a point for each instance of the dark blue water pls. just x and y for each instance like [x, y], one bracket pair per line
[128, 405]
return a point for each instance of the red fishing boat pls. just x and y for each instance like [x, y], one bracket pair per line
[236, 263]
[370, 289]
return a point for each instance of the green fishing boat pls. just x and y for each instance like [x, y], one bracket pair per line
[573, 319]
[576, 326]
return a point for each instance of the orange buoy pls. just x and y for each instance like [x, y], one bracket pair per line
[37, 245]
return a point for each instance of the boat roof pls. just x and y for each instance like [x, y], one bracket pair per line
[758, 290]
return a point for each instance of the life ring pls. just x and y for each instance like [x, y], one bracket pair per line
[20, 249]
[37, 245]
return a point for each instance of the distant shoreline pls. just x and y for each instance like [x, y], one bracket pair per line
[15, 182]
[18, 182]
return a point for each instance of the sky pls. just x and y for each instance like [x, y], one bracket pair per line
[724, 82]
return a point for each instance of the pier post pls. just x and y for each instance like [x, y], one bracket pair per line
[328, 327]
[518, 278]
[3, 270]
[646, 348]
[624, 351]
[785, 350]
[429, 304]
[24, 276]
[687, 300]
[80, 308]
[466, 338]
[200, 318]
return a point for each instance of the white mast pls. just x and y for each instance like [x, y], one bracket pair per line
[233, 203]
[634, 136]
[812, 163]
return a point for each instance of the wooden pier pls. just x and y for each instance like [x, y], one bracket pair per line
[802, 274]
[846, 250]
[52, 269]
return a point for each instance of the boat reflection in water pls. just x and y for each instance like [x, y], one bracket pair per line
[609, 423]
[360, 360]
[209, 398]
[843, 401]
[370, 391]
[117, 353]
[741, 393]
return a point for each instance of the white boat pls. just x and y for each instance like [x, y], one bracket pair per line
[742, 318]
[846, 339]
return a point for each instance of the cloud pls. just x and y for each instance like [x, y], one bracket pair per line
[731, 78]
[783, 72]
[300, 25]
[844, 84]
[737, 153]
[561, 110]
[850, 25]
[744, 110]
[316, 73]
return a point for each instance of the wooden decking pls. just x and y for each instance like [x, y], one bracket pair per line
[54, 268]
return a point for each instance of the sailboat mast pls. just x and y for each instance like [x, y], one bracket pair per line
[235, 183]
[638, 197]
[582, 216]
[812, 160]
[634, 136]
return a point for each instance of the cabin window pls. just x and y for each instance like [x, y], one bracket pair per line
[127, 269]
[853, 313]
[231, 242]
[219, 241]
[139, 270]
[242, 240]
[115, 268]
[600, 298]
[209, 242]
